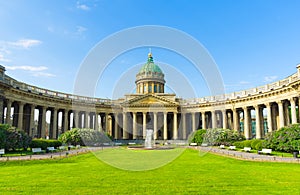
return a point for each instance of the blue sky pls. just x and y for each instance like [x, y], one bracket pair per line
[253, 42]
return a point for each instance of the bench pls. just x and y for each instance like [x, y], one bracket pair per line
[106, 144]
[232, 148]
[265, 151]
[51, 149]
[37, 150]
[118, 144]
[61, 147]
[131, 143]
[247, 149]
[193, 144]
[2, 151]
[222, 147]
[78, 146]
[204, 144]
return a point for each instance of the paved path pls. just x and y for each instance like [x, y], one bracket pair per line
[223, 152]
[248, 156]
[61, 154]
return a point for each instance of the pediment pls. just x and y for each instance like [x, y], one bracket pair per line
[149, 100]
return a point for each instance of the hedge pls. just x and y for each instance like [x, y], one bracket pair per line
[44, 143]
[255, 144]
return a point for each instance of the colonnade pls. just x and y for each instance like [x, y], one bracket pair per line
[32, 119]
[166, 125]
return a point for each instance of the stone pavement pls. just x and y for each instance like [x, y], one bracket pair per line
[248, 156]
[60, 154]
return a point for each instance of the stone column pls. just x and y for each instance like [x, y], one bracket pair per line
[2, 110]
[134, 129]
[175, 129]
[152, 86]
[107, 123]
[43, 122]
[66, 120]
[224, 117]
[213, 119]
[96, 121]
[144, 124]
[165, 126]
[125, 130]
[269, 117]
[258, 122]
[76, 119]
[155, 124]
[183, 118]
[286, 114]
[8, 112]
[203, 120]
[54, 126]
[20, 115]
[32, 125]
[117, 126]
[236, 120]
[246, 123]
[193, 122]
[281, 114]
[293, 111]
[86, 120]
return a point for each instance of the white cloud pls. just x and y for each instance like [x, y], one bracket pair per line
[25, 43]
[43, 74]
[36, 71]
[80, 29]
[270, 78]
[82, 6]
[27, 68]
[244, 82]
[50, 29]
[3, 59]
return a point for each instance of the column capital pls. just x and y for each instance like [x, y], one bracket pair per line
[279, 102]
[21, 103]
[246, 107]
[292, 99]
[268, 104]
[9, 100]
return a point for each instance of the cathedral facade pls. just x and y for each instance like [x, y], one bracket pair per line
[271, 106]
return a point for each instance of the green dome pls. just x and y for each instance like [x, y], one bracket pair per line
[150, 66]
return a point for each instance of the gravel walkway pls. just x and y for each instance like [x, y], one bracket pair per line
[223, 152]
[61, 154]
[249, 156]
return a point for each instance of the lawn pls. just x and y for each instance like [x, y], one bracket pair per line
[190, 173]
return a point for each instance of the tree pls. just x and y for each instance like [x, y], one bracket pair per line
[286, 139]
[88, 137]
[220, 136]
[12, 138]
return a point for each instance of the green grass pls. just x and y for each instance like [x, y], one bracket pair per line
[190, 173]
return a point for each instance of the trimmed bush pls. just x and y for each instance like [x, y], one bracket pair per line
[258, 145]
[239, 144]
[197, 136]
[44, 143]
[254, 142]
